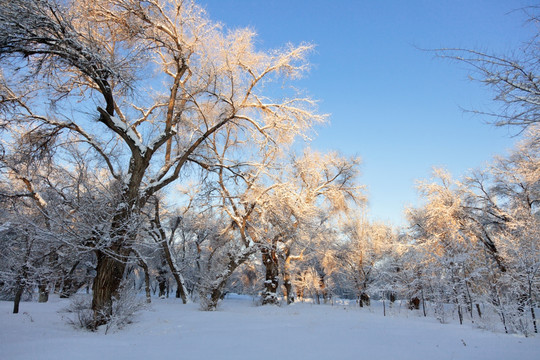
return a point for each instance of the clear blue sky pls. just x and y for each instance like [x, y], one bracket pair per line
[395, 106]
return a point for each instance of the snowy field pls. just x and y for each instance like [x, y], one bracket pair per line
[242, 330]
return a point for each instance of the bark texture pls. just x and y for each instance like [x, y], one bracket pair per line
[109, 274]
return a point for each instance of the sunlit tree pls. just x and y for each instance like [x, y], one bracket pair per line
[147, 81]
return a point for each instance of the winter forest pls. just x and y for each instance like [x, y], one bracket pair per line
[146, 153]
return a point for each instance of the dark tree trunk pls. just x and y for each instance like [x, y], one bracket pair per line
[21, 282]
[300, 289]
[424, 304]
[17, 300]
[364, 299]
[414, 303]
[147, 286]
[468, 299]
[180, 287]
[271, 281]
[533, 315]
[213, 292]
[478, 310]
[162, 285]
[112, 261]
[43, 293]
[109, 274]
[531, 305]
[217, 294]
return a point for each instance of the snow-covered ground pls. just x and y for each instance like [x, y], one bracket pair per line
[242, 330]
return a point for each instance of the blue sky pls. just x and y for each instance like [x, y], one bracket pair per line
[398, 107]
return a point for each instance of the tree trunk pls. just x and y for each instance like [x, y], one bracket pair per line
[109, 274]
[285, 259]
[271, 281]
[162, 285]
[147, 285]
[43, 293]
[21, 282]
[17, 300]
[531, 305]
[217, 294]
[287, 283]
[143, 264]
[414, 303]
[322, 289]
[478, 310]
[364, 299]
[460, 314]
[146, 271]
[424, 304]
[300, 288]
[533, 315]
[469, 299]
[212, 292]
[180, 286]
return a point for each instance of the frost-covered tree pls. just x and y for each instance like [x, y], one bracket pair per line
[361, 255]
[271, 204]
[503, 201]
[322, 188]
[516, 189]
[143, 85]
[57, 207]
[476, 240]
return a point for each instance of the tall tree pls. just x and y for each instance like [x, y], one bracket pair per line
[148, 81]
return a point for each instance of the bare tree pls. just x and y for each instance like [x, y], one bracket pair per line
[165, 242]
[367, 245]
[270, 203]
[148, 81]
[514, 78]
[476, 240]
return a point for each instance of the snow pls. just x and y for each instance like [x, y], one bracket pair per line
[134, 137]
[242, 330]
[159, 138]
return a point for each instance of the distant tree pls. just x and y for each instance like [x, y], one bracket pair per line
[367, 245]
[453, 240]
[475, 241]
[516, 188]
[271, 203]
